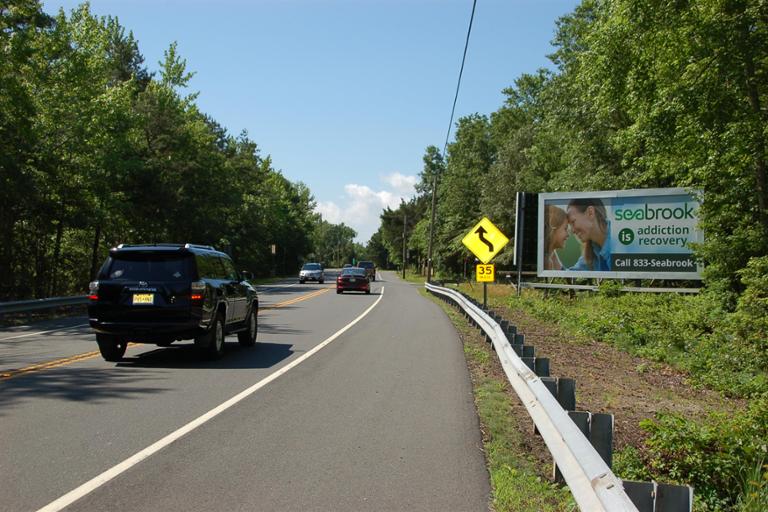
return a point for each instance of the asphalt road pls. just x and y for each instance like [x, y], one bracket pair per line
[323, 414]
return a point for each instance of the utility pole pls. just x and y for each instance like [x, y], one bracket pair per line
[431, 229]
[405, 216]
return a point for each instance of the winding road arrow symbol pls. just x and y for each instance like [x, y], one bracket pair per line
[480, 232]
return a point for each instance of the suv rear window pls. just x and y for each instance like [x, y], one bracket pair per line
[147, 267]
[209, 266]
[365, 264]
[311, 266]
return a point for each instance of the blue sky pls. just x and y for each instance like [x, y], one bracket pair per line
[344, 95]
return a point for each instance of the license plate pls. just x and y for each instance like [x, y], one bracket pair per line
[352, 280]
[143, 298]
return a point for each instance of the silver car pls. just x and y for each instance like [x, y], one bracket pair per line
[312, 272]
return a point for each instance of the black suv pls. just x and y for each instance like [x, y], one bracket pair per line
[370, 269]
[161, 293]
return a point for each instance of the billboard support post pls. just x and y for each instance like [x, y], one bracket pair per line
[519, 220]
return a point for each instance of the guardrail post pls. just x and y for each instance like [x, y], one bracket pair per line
[566, 393]
[551, 384]
[598, 428]
[581, 419]
[642, 494]
[674, 498]
[655, 497]
[601, 435]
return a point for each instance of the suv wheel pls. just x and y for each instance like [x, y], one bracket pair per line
[247, 338]
[112, 348]
[212, 342]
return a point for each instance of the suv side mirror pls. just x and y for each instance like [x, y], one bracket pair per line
[247, 276]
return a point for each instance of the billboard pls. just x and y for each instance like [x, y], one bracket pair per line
[643, 234]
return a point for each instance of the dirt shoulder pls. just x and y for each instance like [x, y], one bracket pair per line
[609, 380]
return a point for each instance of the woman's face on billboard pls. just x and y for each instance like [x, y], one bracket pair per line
[582, 223]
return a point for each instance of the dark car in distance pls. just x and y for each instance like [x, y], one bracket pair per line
[353, 279]
[370, 269]
[161, 293]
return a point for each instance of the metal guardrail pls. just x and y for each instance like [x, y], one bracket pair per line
[591, 481]
[22, 306]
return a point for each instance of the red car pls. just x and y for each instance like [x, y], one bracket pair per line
[353, 279]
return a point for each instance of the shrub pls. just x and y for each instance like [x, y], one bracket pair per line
[750, 322]
[712, 455]
[722, 350]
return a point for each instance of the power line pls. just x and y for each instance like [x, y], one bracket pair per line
[461, 71]
[445, 146]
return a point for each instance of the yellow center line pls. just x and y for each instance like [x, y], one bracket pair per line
[297, 299]
[9, 374]
[53, 364]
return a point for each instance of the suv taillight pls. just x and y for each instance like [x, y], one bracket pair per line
[93, 290]
[198, 291]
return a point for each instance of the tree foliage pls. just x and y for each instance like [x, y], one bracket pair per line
[643, 94]
[96, 151]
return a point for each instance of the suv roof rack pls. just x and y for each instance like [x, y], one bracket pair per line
[185, 246]
[123, 246]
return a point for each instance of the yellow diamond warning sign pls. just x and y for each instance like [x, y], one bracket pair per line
[485, 240]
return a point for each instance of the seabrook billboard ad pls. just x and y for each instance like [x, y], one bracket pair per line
[633, 234]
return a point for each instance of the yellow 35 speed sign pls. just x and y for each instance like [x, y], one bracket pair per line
[485, 273]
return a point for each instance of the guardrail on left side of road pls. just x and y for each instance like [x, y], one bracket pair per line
[22, 306]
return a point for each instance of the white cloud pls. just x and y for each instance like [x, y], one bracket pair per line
[401, 183]
[329, 211]
[361, 206]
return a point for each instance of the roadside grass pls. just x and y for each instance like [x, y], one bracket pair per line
[412, 277]
[518, 482]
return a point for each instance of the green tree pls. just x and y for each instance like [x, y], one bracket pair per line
[469, 159]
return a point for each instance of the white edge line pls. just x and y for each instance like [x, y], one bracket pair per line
[43, 332]
[98, 481]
